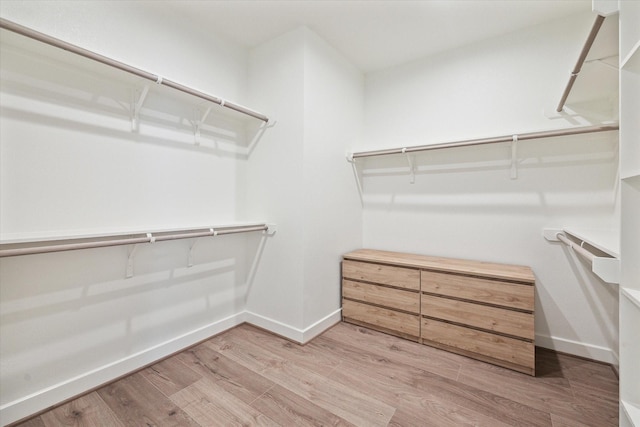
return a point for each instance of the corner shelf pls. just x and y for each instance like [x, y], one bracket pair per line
[605, 240]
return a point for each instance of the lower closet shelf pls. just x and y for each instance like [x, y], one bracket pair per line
[480, 310]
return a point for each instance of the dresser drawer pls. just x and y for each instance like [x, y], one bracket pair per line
[496, 319]
[507, 294]
[387, 320]
[479, 344]
[384, 274]
[381, 295]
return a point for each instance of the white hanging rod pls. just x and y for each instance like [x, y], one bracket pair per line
[40, 247]
[482, 141]
[576, 248]
[583, 55]
[44, 38]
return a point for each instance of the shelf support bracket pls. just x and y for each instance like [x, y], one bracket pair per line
[412, 172]
[136, 106]
[354, 166]
[198, 125]
[514, 157]
[132, 254]
[195, 243]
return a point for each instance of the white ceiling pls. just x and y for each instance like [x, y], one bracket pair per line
[372, 34]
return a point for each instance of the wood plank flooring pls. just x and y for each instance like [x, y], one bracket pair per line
[347, 376]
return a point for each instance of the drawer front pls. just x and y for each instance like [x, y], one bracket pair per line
[477, 289]
[495, 319]
[403, 323]
[384, 274]
[498, 347]
[380, 295]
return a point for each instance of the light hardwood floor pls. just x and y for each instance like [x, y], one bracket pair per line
[347, 376]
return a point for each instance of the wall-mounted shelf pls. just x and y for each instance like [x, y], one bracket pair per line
[32, 246]
[593, 83]
[600, 247]
[21, 38]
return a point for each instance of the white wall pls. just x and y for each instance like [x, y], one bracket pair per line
[70, 164]
[333, 111]
[464, 204]
[298, 178]
[274, 184]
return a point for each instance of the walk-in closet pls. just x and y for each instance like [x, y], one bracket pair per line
[305, 212]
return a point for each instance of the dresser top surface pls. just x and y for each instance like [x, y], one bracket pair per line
[477, 268]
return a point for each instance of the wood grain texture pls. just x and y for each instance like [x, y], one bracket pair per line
[209, 404]
[86, 411]
[383, 296]
[289, 409]
[384, 274]
[477, 343]
[495, 319]
[487, 269]
[347, 376]
[404, 323]
[137, 403]
[478, 289]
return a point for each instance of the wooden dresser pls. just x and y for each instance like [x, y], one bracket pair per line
[481, 310]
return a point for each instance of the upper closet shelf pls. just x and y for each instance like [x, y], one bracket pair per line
[593, 82]
[483, 141]
[129, 69]
[599, 247]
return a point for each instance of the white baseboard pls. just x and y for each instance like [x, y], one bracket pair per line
[53, 395]
[301, 336]
[589, 351]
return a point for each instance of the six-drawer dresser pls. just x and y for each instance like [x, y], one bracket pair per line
[477, 309]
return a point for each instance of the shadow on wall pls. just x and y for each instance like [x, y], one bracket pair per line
[100, 100]
[67, 313]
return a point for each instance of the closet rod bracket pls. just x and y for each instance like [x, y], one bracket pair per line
[412, 172]
[136, 106]
[195, 243]
[272, 229]
[198, 125]
[514, 157]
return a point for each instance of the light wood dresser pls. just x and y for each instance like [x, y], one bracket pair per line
[477, 309]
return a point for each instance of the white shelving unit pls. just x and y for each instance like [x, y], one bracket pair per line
[605, 240]
[629, 16]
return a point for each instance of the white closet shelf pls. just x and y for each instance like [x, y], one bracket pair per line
[605, 259]
[606, 240]
[632, 411]
[24, 39]
[27, 245]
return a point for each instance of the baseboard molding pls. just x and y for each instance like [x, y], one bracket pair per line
[298, 335]
[51, 396]
[54, 395]
[589, 351]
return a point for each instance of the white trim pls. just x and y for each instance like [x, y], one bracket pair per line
[322, 325]
[53, 395]
[42, 399]
[590, 351]
[301, 336]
